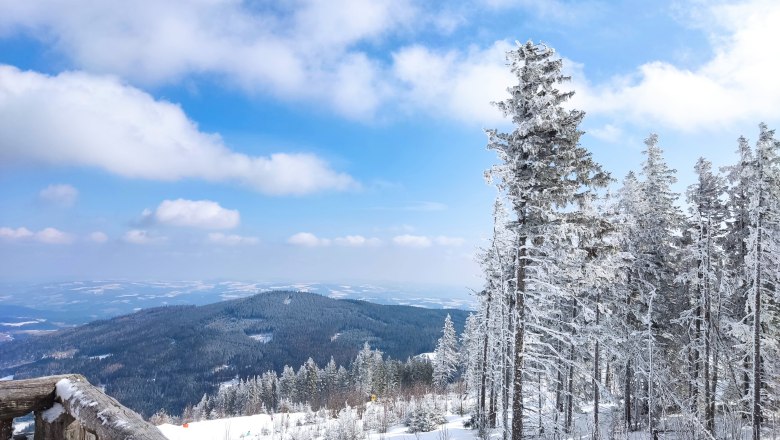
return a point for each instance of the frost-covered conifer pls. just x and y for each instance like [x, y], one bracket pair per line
[543, 172]
[762, 261]
[447, 355]
[703, 277]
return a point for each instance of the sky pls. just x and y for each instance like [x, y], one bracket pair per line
[331, 140]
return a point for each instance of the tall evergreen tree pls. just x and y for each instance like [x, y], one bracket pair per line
[447, 357]
[703, 257]
[543, 171]
[763, 257]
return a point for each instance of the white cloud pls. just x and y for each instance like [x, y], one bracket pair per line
[97, 121]
[356, 241]
[421, 241]
[736, 85]
[53, 236]
[46, 235]
[98, 237]
[463, 84]
[280, 50]
[59, 194]
[140, 236]
[15, 234]
[196, 213]
[608, 133]
[448, 241]
[311, 42]
[307, 239]
[230, 239]
[415, 241]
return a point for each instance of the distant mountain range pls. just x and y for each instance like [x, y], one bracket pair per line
[169, 356]
[27, 308]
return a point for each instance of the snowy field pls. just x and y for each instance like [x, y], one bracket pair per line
[294, 426]
[302, 426]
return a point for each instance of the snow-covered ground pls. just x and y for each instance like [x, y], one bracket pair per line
[302, 426]
[294, 426]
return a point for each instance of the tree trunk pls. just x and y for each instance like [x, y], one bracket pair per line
[757, 323]
[627, 395]
[596, 373]
[482, 407]
[492, 406]
[696, 361]
[517, 401]
[508, 369]
[570, 391]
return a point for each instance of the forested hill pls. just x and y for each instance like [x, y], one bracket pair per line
[170, 356]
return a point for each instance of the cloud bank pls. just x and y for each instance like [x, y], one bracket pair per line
[46, 235]
[100, 122]
[203, 214]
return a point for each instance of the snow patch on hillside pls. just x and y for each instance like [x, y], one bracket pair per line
[262, 337]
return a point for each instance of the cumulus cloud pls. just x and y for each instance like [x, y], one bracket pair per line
[307, 239]
[230, 239]
[15, 234]
[100, 122]
[157, 42]
[141, 236]
[59, 194]
[442, 240]
[46, 235]
[310, 42]
[323, 43]
[422, 241]
[608, 133]
[98, 237]
[203, 214]
[356, 241]
[53, 236]
[735, 85]
[414, 241]
[464, 83]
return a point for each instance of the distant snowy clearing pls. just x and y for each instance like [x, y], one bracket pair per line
[294, 426]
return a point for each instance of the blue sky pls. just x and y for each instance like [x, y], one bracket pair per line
[335, 140]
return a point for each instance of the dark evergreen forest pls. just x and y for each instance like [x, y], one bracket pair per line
[169, 357]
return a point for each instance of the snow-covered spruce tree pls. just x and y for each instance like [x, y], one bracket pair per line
[630, 346]
[740, 178]
[470, 359]
[655, 299]
[599, 298]
[447, 356]
[763, 258]
[496, 325]
[703, 258]
[368, 372]
[543, 171]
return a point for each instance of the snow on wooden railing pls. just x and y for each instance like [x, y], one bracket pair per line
[68, 407]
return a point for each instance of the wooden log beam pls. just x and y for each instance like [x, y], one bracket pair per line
[86, 412]
[100, 415]
[21, 397]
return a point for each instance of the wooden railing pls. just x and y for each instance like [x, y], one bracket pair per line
[68, 407]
